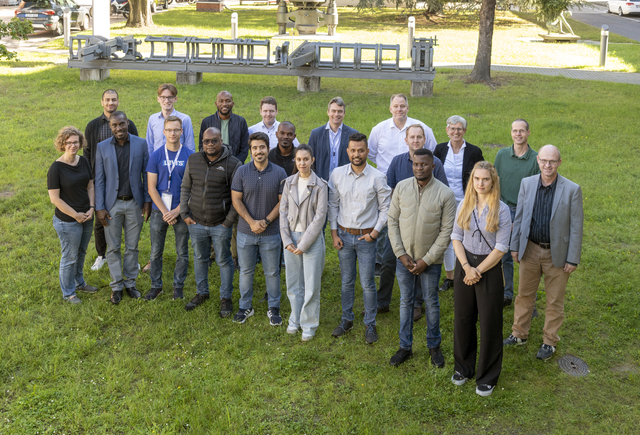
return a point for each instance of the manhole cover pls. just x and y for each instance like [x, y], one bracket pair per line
[573, 365]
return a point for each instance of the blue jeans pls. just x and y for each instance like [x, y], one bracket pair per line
[304, 276]
[74, 239]
[158, 232]
[365, 253]
[380, 245]
[388, 277]
[201, 239]
[507, 265]
[408, 283]
[269, 247]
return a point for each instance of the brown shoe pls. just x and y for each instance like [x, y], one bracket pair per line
[147, 268]
[417, 313]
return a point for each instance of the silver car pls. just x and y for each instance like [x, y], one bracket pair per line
[48, 14]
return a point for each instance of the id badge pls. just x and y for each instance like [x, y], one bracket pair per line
[167, 198]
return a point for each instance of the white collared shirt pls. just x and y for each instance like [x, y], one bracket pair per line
[453, 170]
[387, 141]
[271, 132]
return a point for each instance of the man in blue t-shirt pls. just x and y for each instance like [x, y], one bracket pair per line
[164, 174]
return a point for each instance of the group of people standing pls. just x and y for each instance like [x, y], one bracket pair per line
[423, 204]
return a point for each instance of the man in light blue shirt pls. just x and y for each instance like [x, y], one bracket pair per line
[167, 97]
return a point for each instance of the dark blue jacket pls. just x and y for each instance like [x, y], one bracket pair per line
[238, 134]
[321, 146]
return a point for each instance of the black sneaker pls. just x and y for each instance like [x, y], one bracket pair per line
[242, 315]
[437, 359]
[458, 379]
[226, 307]
[274, 316]
[513, 341]
[116, 297]
[401, 356]
[377, 271]
[506, 302]
[198, 299]
[371, 335]
[153, 293]
[545, 352]
[87, 289]
[484, 390]
[265, 299]
[446, 285]
[344, 326]
[133, 293]
[178, 293]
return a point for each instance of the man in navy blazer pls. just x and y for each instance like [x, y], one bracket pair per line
[546, 240]
[329, 142]
[122, 201]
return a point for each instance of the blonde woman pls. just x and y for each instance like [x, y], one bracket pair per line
[70, 184]
[480, 238]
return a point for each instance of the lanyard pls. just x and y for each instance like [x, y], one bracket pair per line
[171, 165]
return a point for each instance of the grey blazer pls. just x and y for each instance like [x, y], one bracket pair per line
[106, 182]
[566, 220]
[311, 209]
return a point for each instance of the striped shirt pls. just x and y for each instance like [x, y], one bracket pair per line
[541, 216]
[477, 239]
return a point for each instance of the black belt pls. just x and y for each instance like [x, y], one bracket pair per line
[542, 245]
[125, 198]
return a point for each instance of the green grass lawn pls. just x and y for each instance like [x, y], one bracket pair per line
[457, 35]
[152, 368]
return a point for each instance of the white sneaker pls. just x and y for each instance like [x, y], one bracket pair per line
[292, 330]
[100, 261]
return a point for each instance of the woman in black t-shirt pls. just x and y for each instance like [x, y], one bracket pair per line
[70, 185]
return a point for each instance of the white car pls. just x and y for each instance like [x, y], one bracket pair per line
[623, 7]
[88, 4]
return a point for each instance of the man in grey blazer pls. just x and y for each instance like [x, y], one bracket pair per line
[329, 142]
[122, 201]
[546, 240]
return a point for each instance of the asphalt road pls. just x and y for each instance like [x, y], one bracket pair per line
[628, 25]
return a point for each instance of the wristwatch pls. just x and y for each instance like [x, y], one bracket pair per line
[267, 221]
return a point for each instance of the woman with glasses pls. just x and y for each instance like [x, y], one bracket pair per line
[480, 237]
[458, 157]
[303, 212]
[70, 184]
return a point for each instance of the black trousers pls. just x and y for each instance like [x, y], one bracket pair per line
[484, 300]
[99, 239]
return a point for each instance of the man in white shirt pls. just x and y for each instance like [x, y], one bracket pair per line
[269, 124]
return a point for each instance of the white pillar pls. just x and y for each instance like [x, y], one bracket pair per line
[101, 18]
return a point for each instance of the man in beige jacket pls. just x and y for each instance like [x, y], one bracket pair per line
[420, 222]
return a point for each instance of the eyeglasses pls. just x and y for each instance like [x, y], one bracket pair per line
[166, 98]
[457, 130]
[172, 130]
[210, 141]
[548, 162]
[76, 143]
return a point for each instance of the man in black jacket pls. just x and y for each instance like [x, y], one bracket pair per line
[96, 131]
[233, 128]
[206, 207]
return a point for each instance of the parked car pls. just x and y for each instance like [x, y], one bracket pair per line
[626, 7]
[48, 14]
[87, 4]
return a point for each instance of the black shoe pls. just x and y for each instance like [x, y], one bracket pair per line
[379, 310]
[377, 271]
[198, 299]
[506, 302]
[417, 313]
[545, 352]
[87, 288]
[133, 293]
[226, 307]
[458, 379]
[274, 316]
[371, 335]
[178, 293]
[236, 264]
[446, 285]
[344, 326]
[265, 299]
[513, 341]
[400, 356]
[437, 359]
[116, 297]
[242, 315]
[535, 313]
[153, 293]
[484, 390]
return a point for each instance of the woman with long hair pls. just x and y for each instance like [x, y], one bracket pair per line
[303, 212]
[70, 185]
[480, 238]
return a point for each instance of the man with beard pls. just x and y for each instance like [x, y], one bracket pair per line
[420, 248]
[256, 191]
[206, 207]
[282, 155]
[233, 128]
[122, 201]
[96, 131]
[358, 206]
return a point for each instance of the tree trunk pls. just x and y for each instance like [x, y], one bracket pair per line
[482, 69]
[140, 14]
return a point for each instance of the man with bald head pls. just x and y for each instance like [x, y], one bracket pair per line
[233, 128]
[546, 240]
[206, 207]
